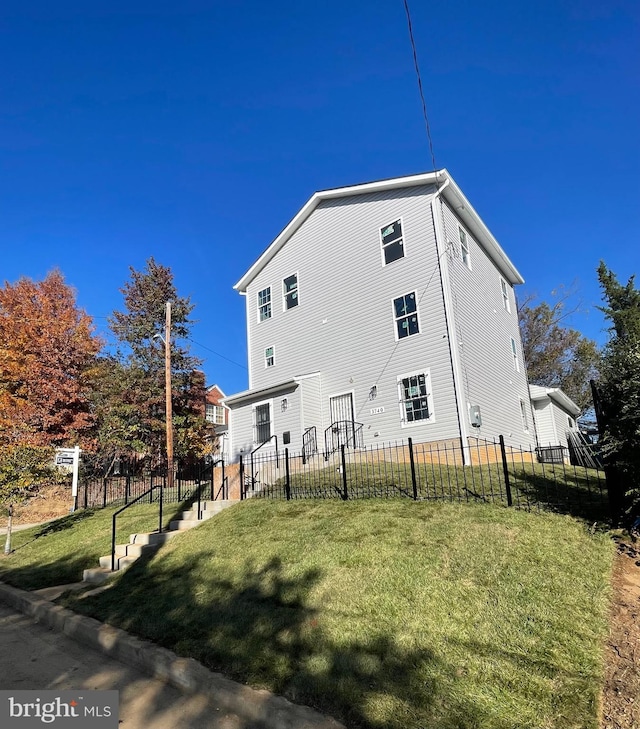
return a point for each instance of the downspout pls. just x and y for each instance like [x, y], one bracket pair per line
[438, 225]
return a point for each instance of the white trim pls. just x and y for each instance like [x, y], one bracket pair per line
[401, 402]
[395, 318]
[402, 238]
[452, 194]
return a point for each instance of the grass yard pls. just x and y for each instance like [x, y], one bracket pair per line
[385, 613]
[56, 553]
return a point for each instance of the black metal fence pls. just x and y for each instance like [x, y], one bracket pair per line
[481, 471]
[203, 478]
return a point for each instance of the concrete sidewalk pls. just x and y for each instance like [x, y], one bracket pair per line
[241, 706]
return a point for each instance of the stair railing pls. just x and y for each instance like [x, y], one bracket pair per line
[148, 492]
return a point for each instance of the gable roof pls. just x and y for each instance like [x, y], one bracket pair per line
[450, 191]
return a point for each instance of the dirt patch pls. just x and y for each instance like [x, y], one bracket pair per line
[621, 694]
[50, 502]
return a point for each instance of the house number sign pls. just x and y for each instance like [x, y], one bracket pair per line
[375, 411]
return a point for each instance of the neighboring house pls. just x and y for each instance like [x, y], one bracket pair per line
[382, 311]
[555, 416]
[217, 413]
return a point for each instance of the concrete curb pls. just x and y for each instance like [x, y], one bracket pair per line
[260, 707]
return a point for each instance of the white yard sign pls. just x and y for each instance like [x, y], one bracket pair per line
[69, 458]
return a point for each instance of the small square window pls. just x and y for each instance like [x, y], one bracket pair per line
[269, 357]
[464, 248]
[264, 304]
[290, 286]
[392, 242]
[406, 315]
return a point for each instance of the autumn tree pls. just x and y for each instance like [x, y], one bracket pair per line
[557, 355]
[619, 384]
[132, 408]
[47, 346]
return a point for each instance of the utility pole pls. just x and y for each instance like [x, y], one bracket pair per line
[167, 385]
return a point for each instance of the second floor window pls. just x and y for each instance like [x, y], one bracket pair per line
[264, 304]
[392, 242]
[405, 310]
[290, 285]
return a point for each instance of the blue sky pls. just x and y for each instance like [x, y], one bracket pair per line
[194, 131]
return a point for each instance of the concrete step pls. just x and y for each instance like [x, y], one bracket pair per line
[126, 554]
[97, 575]
[121, 563]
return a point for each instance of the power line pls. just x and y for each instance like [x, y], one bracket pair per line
[237, 364]
[417, 67]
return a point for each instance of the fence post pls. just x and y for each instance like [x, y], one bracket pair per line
[241, 478]
[86, 493]
[505, 469]
[179, 480]
[413, 471]
[345, 493]
[127, 488]
[223, 483]
[162, 483]
[287, 481]
[104, 494]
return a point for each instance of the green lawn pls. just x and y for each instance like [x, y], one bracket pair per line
[385, 613]
[56, 553]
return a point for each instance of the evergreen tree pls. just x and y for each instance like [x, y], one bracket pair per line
[131, 397]
[619, 385]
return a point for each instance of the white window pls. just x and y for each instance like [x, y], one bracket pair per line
[290, 290]
[514, 354]
[215, 414]
[264, 304]
[392, 242]
[262, 425]
[416, 400]
[464, 247]
[524, 416]
[505, 294]
[405, 311]
[269, 357]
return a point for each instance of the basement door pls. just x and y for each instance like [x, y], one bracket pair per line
[342, 421]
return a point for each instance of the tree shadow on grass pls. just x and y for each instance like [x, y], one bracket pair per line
[259, 627]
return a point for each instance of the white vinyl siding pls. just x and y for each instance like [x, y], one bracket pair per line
[524, 415]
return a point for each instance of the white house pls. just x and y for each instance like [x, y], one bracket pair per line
[555, 416]
[382, 311]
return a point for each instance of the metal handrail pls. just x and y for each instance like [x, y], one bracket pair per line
[255, 450]
[355, 428]
[309, 438]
